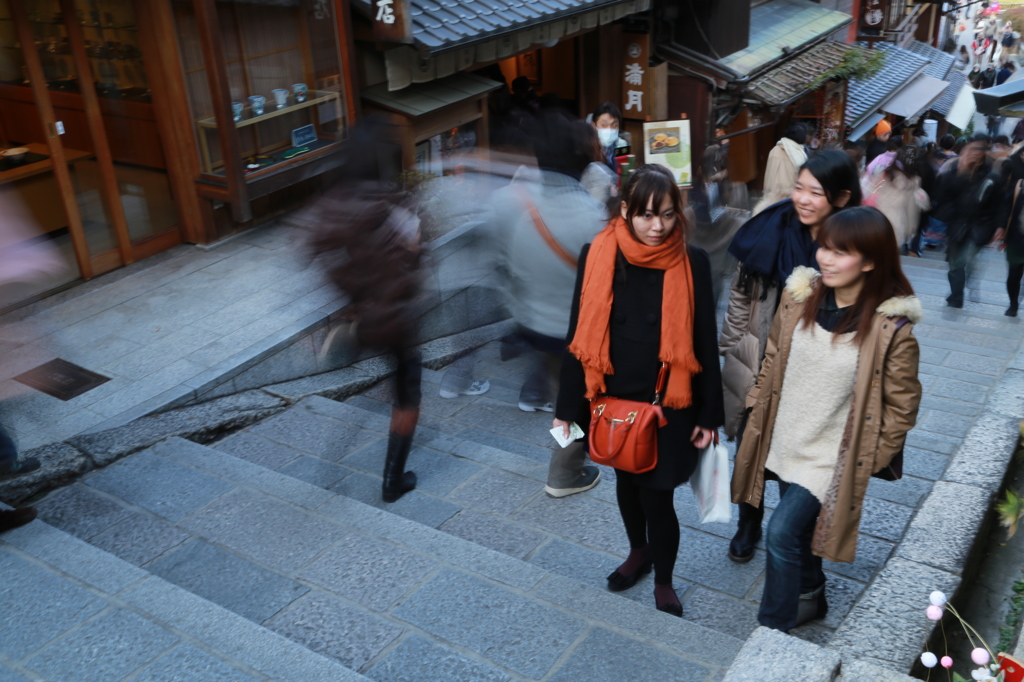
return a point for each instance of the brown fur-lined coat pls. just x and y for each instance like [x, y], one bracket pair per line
[884, 408]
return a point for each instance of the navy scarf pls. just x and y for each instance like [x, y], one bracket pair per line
[771, 244]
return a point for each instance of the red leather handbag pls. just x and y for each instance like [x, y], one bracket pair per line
[624, 433]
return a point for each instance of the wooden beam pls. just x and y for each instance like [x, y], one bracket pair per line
[220, 97]
[349, 68]
[110, 191]
[37, 78]
[160, 52]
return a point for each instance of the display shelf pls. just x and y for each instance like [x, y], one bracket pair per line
[313, 97]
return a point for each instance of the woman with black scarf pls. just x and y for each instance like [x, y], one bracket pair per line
[768, 247]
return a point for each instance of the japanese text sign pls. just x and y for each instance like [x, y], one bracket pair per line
[392, 21]
[636, 79]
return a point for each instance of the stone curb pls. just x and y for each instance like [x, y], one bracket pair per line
[167, 604]
[772, 656]
[63, 462]
[881, 637]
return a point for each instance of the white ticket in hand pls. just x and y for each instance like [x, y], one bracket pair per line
[575, 433]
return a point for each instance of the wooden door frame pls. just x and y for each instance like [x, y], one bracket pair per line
[37, 80]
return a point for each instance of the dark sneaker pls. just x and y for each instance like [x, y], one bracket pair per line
[588, 478]
[22, 466]
[536, 407]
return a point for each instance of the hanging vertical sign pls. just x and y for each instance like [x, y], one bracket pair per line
[392, 21]
[872, 19]
[636, 76]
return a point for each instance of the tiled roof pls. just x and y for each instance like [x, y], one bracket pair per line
[780, 26]
[791, 78]
[443, 24]
[944, 103]
[941, 62]
[863, 97]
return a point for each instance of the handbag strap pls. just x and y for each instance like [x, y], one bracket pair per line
[545, 233]
[1016, 193]
[660, 386]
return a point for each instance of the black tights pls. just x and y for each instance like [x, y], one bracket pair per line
[1013, 283]
[650, 518]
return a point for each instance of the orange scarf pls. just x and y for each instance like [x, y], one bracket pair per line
[591, 343]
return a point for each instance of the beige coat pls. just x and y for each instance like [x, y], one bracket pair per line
[780, 173]
[902, 200]
[886, 396]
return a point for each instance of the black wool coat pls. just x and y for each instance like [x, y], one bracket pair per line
[635, 340]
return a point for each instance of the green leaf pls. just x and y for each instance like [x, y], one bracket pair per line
[1010, 509]
[958, 678]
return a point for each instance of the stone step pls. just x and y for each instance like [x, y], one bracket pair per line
[73, 611]
[494, 498]
[384, 595]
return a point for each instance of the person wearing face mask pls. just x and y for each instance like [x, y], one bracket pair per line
[608, 120]
[643, 298]
[768, 247]
[836, 395]
[784, 160]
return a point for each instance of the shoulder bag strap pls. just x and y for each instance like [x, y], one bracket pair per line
[659, 387]
[545, 234]
[1016, 193]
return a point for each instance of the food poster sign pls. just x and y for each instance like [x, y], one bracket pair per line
[636, 97]
[667, 143]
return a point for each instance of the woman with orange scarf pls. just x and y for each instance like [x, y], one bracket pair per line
[643, 297]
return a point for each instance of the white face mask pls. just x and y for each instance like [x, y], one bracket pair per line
[608, 136]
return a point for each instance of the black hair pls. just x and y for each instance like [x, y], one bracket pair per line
[947, 142]
[982, 137]
[651, 184]
[607, 108]
[894, 143]
[560, 145]
[796, 132]
[837, 173]
[1003, 140]
[961, 142]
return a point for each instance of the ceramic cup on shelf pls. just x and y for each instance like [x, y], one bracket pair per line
[300, 92]
[236, 110]
[280, 97]
[257, 102]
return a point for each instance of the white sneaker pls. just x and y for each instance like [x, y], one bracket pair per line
[541, 407]
[477, 388]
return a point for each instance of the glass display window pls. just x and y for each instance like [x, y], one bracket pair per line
[284, 75]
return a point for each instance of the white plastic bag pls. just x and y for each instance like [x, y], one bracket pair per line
[710, 483]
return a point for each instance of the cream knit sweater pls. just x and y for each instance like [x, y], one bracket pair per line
[817, 391]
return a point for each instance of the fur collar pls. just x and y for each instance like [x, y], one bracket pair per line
[801, 283]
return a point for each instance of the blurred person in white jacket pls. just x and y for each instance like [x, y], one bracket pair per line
[784, 161]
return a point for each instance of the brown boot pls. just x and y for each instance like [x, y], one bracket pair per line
[15, 518]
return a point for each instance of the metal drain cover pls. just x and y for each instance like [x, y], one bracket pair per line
[61, 379]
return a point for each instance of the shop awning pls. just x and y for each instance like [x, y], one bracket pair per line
[962, 111]
[866, 97]
[790, 80]
[991, 100]
[915, 97]
[423, 98]
[454, 35]
[867, 124]
[778, 29]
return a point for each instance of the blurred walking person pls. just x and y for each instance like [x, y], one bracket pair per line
[768, 248]
[642, 301]
[835, 398]
[784, 162]
[543, 226]
[368, 241]
[897, 193]
[968, 200]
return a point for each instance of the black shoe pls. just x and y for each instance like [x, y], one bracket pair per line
[1011, 311]
[397, 481]
[954, 303]
[671, 608]
[22, 466]
[812, 606]
[15, 518]
[618, 582]
[748, 532]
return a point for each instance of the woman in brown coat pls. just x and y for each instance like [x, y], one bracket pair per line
[836, 396]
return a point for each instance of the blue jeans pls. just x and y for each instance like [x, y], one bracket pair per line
[792, 569]
[8, 451]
